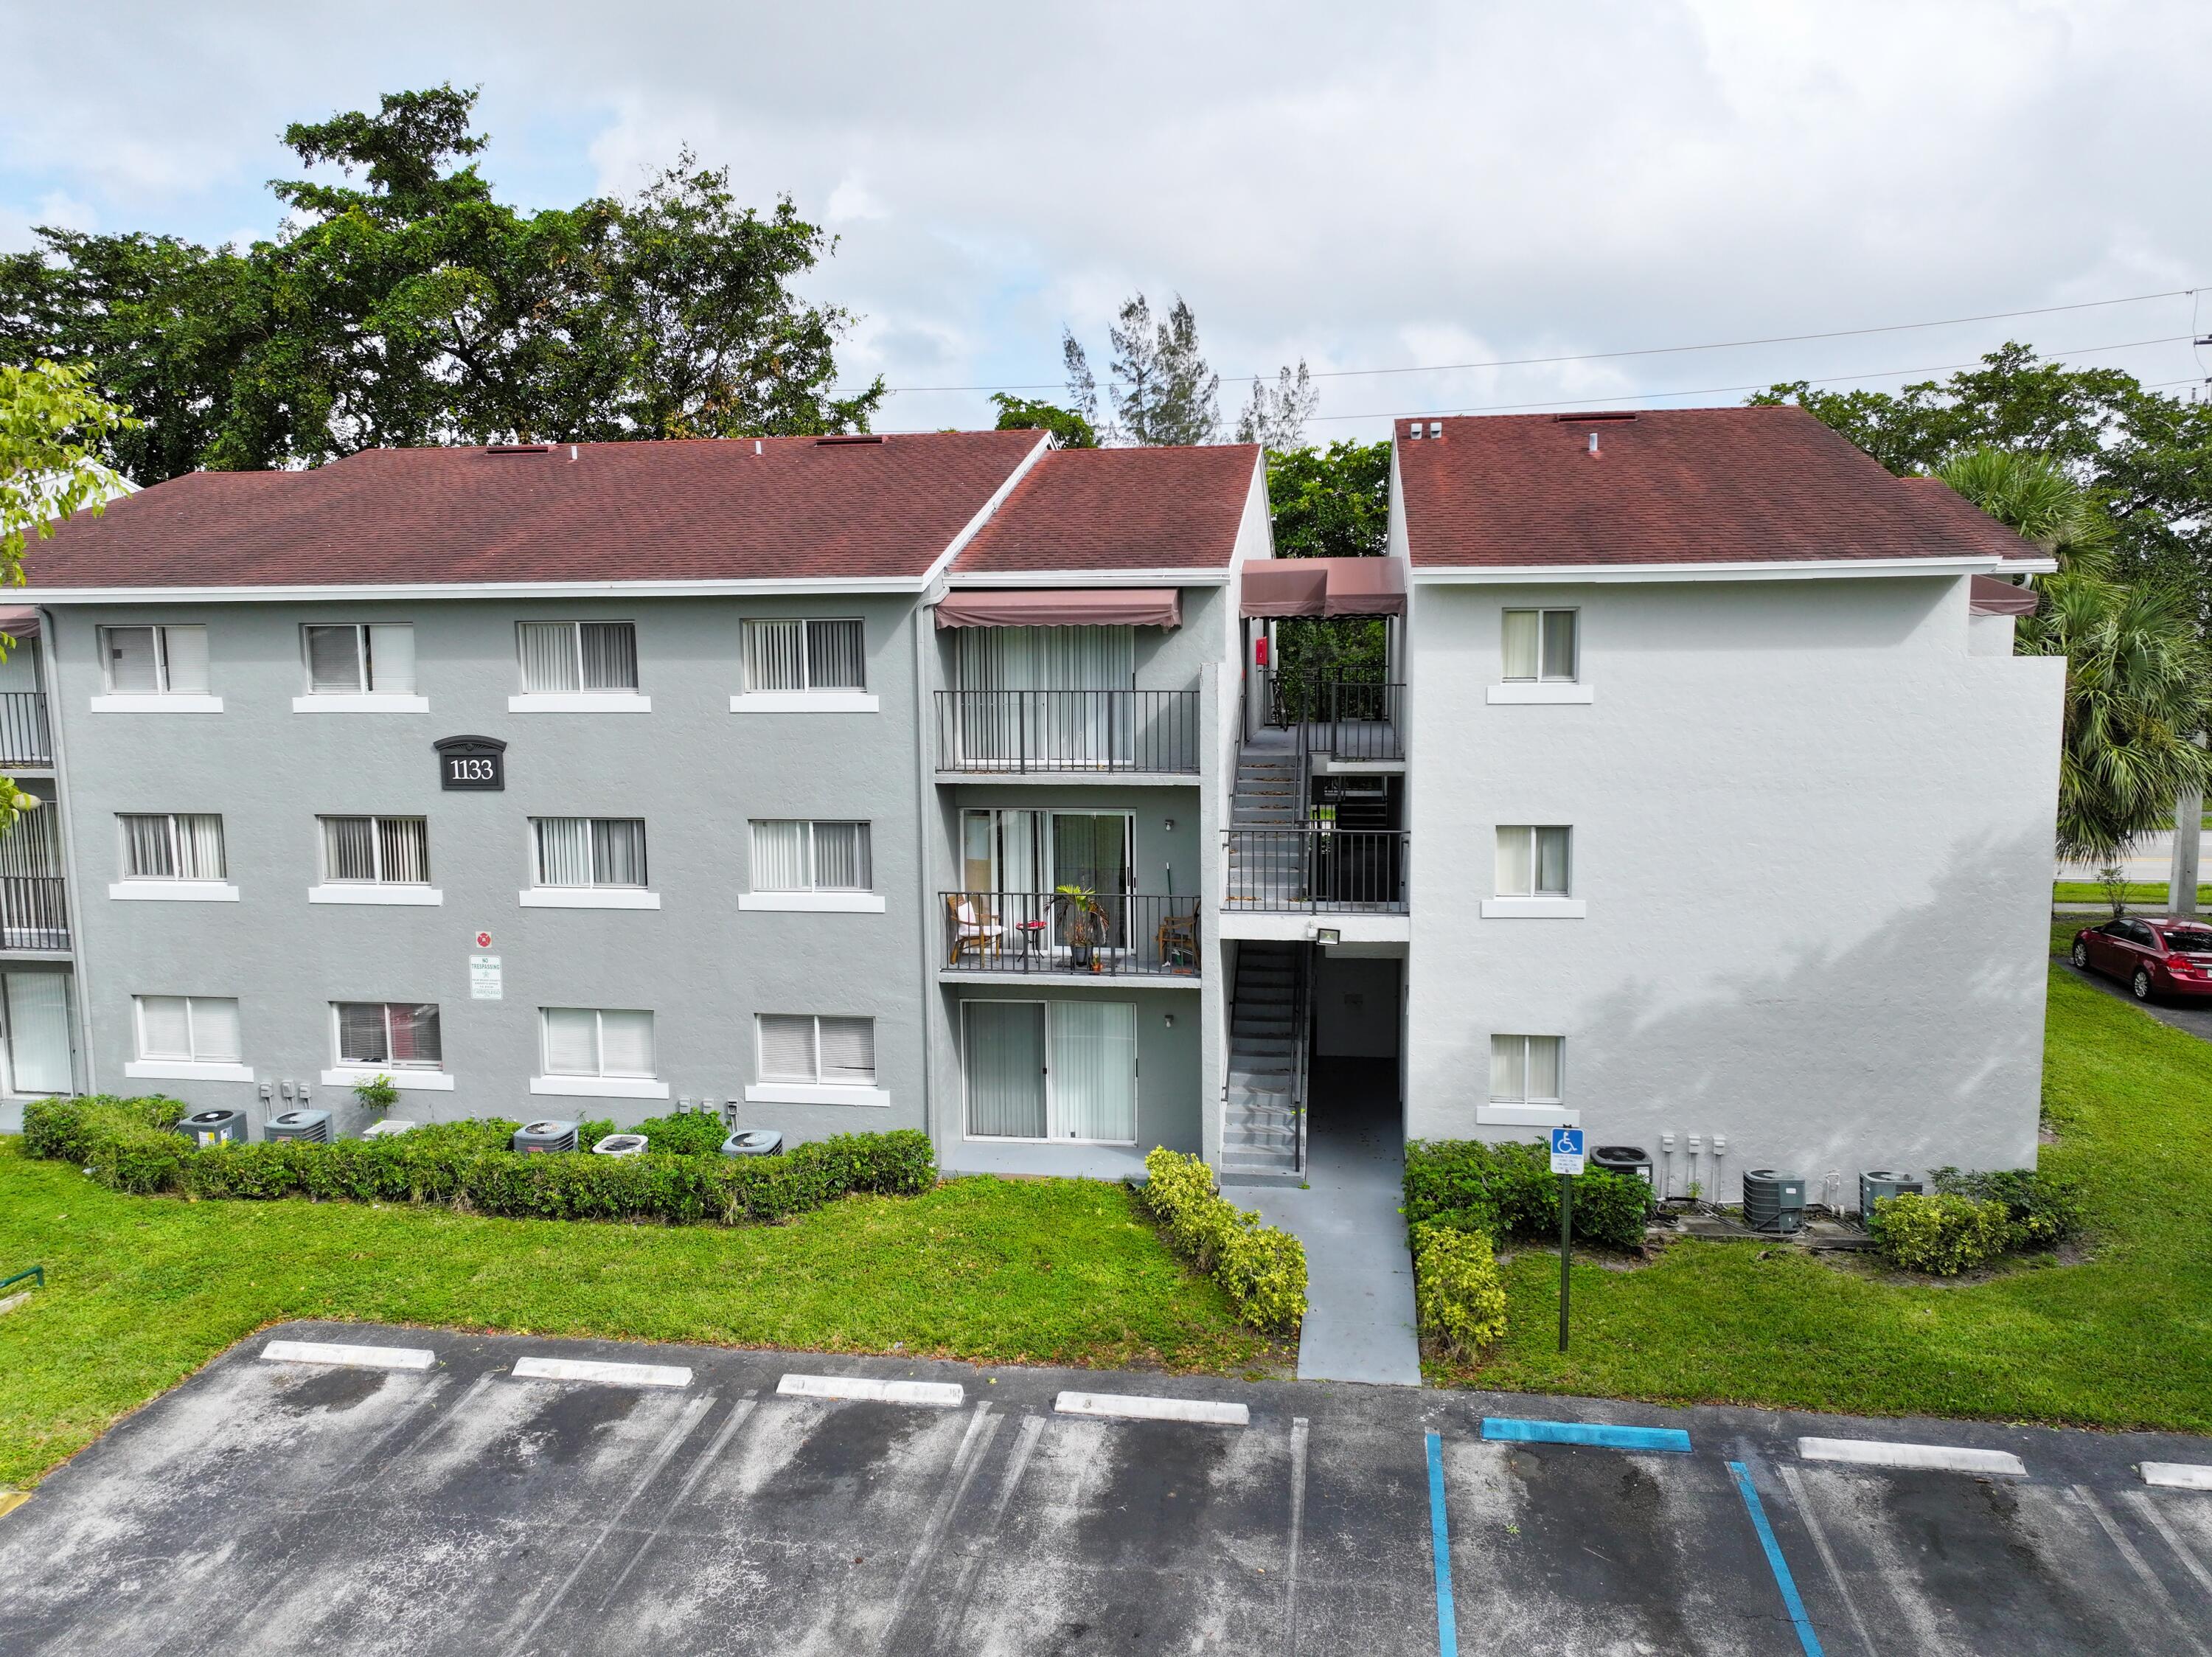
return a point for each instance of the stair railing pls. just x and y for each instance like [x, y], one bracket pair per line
[1301, 1040]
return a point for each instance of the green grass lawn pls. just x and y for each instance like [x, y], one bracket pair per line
[2142, 894]
[2122, 1339]
[142, 1291]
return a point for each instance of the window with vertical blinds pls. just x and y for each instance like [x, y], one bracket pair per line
[197, 1029]
[1533, 861]
[41, 1048]
[593, 1041]
[1526, 1069]
[1062, 1070]
[804, 855]
[172, 846]
[589, 851]
[383, 850]
[1541, 644]
[806, 654]
[578, 655]
[818, 1048]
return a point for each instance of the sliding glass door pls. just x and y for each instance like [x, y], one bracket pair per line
[1019, 858]
[1056, 1070]
[1045, 697]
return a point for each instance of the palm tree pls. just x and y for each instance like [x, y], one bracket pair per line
[2138, 675]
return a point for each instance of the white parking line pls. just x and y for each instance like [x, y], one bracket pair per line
[1144, 1409]
[360, 1357]
[942, 1394]
[1944, 1457]
[2177, 1474]
[613, 1374]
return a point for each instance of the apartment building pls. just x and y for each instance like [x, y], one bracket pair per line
[1671, 775]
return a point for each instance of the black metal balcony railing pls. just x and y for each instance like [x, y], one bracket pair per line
[1041, 932]
[1306, 870]
[1354, 719]
[1001, 731]
[25, 736]
[34, 912]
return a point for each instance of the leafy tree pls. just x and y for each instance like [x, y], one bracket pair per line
[1069, 428]
[1160, 389]
[1275, 415]
[1330, 504]
[2138, 675]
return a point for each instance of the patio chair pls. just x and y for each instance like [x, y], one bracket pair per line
[1176, 940]
[975, 930]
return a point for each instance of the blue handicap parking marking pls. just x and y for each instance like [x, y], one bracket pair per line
[1512, 1430]
[1440, 1548]
[1791, 1602]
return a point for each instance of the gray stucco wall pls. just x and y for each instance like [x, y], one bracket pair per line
[692, 768]
[1814, 834]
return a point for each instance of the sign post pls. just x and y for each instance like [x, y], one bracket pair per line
[1567, 1162]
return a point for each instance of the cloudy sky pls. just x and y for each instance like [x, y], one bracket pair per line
[1399, 186]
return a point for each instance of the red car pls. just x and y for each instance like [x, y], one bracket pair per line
[2152, 955]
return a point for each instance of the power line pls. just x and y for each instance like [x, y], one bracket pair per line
[1599, 356]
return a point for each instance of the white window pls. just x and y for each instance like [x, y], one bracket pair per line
[813, 1048]
[1539, 644]
[1533, 863]
[169, 660]
[172, 846]
[374, 658]
[190, 1029]
[806, 656]
[589, 851]
[40, 1050]
[388, 1034]
[385, 850]
[1062, 1070]
[810, 857]
[592, 1041]
[1526, 1069]
[578, 655]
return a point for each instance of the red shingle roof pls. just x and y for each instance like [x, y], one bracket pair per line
[1672, 486]
[698, 511]
[1119, 508]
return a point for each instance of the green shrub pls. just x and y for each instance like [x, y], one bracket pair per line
[2044, 1209]
[589, 1134]
[1458, 1297]
[126, 1144]
[692, 1133]
[1941, 1234]
[1262, 1270]
[1509, 1190]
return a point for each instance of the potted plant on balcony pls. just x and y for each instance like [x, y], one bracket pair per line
[1082, 924]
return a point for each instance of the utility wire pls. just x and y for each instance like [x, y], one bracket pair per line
[1641, 351]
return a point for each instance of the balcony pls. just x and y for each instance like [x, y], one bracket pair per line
[34, 912]
[1352, 721]
[27, 742]
[1114, 733]
[1315, 870]
[1041, 933]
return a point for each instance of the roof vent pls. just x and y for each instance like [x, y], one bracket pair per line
[853, 438]
[1592, 447]
[1436, 428]
[1414, 430]
[518, 448]
[1603, 414]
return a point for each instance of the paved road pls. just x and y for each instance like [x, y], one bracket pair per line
[2194, 1016]
[287, 1507]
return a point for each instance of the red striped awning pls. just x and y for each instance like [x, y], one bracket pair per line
[1061, 606]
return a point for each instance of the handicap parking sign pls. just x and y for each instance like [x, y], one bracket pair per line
[1566, 1150]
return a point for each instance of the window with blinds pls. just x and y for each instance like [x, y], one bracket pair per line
[578, 655]
[394, 1034]
[382, 850]
[172, 846]
[810, 856]
[1541, 644]
[196, 1029]
[806, 656]
[589, 851]
[811, 1047]
[351, 659]
[169, 660]
[1533, 861]
[1526, 1069]
[595, 1041]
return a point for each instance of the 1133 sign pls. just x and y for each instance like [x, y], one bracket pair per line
[471, 762]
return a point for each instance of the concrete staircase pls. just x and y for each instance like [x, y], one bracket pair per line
[1270, 794]
[1260, 1128]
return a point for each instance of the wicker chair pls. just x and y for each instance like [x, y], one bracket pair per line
[974, 930]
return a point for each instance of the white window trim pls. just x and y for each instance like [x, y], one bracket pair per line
[178, 1069]
[1540, 610]
[588, 897]
[176, 892]
[406, 1078]
[1535, 692]
[579, 702]
[394, 1070]
[155, 701]
[361, 702]
[820, 903]
[812, 824]
[1534, 909]
[374, 891]
[803, 1093]
[1051, 1105]
[561, 1086]
[1527, 903]
[1526, 1116]
[805, 702]
[806, 669]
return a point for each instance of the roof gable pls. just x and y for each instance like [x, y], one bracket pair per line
[1116, 509]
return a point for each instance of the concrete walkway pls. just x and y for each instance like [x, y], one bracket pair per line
[1359, 1278]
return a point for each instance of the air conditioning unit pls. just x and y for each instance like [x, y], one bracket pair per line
[1875, 1183]
[535, 1137]
[753, 1141]
[1773, 1202]
[620, 1144]
[205, 1128]
[388, 1127]
[311, 1126]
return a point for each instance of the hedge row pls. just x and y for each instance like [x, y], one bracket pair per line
[127, 1146]
[1458, 1297]
[1263, 1270]
[1509, 1190]
[1971, 1219]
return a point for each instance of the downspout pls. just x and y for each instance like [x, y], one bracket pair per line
[923, 800]
[72, 890]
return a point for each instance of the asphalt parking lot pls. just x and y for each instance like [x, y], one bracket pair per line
[274, 1505]
[2192, 1015]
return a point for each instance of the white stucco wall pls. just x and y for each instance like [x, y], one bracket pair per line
[1813, 832]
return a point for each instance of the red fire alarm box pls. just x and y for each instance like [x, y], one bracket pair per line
[1260, 651]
